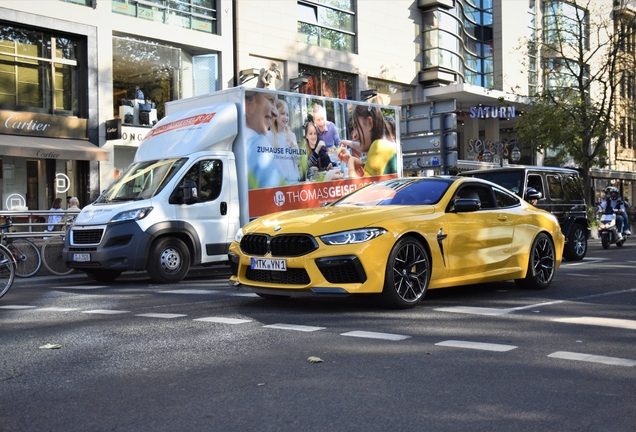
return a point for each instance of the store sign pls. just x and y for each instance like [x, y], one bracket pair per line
[113, 129]
[132, 135]
[484, 112]
[42, 125]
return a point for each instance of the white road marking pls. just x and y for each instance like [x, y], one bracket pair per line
[160, 315]
[221, 320]
[245, 295]
[565, 355]
[296, 327]
[191, 291]
[476, 345]
[105, 311]
[605, 322]
[82, 287]
[475, 310]
[17, 307]
[584, 262]
[375, 335]
[58, 309]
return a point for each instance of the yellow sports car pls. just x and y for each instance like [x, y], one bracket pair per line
[399, 238]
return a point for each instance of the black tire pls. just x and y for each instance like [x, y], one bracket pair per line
[7, 270]
[576, 247]
[605, 241]
[168, 261]
[620, 243]
[408, 272]
[541, 264]
[103, 275]
[52, 256]
[28, 259]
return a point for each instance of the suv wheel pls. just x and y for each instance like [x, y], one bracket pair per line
[576, 247]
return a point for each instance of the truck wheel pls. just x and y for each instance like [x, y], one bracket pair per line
[576, 247]
[103, 275]
[169, 260]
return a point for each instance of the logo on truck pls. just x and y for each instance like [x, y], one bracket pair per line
[181, 123]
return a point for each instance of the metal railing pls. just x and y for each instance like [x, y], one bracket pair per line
[35, 223]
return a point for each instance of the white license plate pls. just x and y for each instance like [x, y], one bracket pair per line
[81, 257]
[268, 264]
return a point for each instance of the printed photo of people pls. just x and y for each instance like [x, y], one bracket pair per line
[294, 139]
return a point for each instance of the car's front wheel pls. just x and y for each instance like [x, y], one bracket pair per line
[168, 261]
[408, 272]
[541, 264]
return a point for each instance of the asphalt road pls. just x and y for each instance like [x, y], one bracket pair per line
[201, 355]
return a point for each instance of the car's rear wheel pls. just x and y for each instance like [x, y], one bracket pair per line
[541, 264]
[408, 273]
[576, 247]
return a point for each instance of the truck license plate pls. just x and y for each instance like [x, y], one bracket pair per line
[81, 257]
[268, 264]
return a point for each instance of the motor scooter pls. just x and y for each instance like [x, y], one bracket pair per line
[608, 232]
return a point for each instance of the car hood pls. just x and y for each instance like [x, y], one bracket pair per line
[323, 220]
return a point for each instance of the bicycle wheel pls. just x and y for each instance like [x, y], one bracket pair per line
[52, 256]
[28, 259]
[7, 270]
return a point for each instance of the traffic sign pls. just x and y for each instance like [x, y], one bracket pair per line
[428, 142]
[430, 160]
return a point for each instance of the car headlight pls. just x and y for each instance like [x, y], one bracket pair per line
[132, 214]
[239, 235]
[352, 237]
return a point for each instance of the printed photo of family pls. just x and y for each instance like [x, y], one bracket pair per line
[276, 157]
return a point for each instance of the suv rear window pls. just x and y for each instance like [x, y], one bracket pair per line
[555, 187]
[572, 188]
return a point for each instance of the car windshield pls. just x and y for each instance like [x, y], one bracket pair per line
[420, 191]
[512, 180]
[142, 180]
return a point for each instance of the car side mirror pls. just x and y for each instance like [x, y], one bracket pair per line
[463, 205]
[190, 192]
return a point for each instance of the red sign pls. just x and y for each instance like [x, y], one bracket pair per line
[305, 195]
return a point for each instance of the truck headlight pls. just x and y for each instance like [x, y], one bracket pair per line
[352, 237]
[132, 214]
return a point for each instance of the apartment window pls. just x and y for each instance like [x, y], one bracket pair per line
[327, 23]
[563, 74]
[325, 82]
[197, 15]
[566, 24]
[42, 72]
[532, 48]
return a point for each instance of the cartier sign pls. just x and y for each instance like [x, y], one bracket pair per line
[42, 125]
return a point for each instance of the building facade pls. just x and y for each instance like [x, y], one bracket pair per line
[82, 81]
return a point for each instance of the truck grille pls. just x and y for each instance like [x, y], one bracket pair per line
[293, 276]
[80, 237]
[282, 245]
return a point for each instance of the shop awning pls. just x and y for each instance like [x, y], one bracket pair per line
[612, 174]
[50, 148]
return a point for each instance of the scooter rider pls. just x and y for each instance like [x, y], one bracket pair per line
[616, 203]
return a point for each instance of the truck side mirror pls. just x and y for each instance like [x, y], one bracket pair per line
[190, 194]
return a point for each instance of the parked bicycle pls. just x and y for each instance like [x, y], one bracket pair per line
[25, 253]
[52, 252]
[7, 262]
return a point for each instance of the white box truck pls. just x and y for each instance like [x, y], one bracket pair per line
[213, 163]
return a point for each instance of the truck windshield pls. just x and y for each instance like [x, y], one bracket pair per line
[142, 180]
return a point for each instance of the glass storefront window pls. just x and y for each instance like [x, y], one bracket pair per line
[34, 77]
[158, 71]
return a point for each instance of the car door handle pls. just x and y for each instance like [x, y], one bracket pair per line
[223, 208]
[502, 217]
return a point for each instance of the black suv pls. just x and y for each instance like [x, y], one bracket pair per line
[562, 196]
